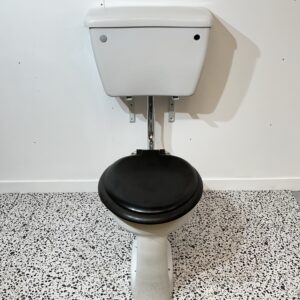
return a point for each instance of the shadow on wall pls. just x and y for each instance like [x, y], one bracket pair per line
[226, 76]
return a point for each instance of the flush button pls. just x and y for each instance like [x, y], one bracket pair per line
[196, 37]
[103, 38]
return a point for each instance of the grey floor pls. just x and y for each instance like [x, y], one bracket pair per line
[238, 245]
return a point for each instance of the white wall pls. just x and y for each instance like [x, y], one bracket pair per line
[58, 130]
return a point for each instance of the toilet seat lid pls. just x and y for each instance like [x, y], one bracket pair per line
[149, 184]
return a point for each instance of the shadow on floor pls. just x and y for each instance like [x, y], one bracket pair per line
[210, 239]
[297, 196]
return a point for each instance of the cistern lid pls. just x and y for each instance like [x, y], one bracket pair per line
[107, 17]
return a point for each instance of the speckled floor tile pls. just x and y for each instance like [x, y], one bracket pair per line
[238, 245]
[297, 196]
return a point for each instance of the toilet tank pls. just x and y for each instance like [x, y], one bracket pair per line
[149, 51]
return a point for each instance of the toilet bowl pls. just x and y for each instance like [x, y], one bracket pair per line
[151, 194]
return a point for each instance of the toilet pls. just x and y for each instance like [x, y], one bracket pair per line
[150, 51]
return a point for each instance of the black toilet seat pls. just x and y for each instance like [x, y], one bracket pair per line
[150, 187]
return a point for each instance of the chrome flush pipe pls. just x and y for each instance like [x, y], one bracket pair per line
[150, 122]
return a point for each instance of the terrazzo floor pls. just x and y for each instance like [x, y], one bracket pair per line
[238, 245]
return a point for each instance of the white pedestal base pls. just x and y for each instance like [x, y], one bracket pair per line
[151, 268]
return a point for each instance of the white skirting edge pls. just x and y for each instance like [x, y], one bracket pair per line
[64, 186]
[48, 186]
[256, 184]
